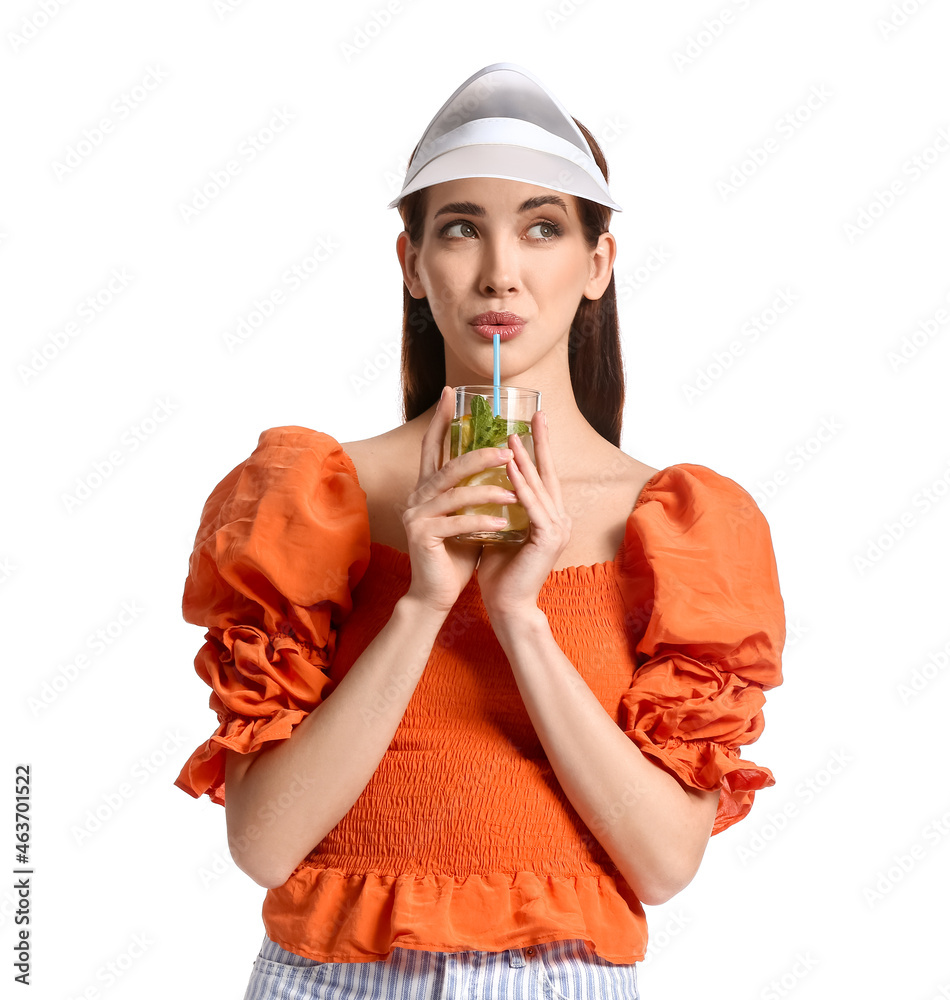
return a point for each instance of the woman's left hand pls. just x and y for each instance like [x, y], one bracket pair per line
[510, 576]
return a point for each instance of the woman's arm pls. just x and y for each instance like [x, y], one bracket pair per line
[282, 800]
[654, 828]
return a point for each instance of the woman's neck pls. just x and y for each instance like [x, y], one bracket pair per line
[572, 437]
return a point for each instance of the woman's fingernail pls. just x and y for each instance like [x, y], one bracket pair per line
[544, 419]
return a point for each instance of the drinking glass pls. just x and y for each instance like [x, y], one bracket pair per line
[476, 425]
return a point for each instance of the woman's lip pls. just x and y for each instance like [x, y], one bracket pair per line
[505, 324]
[505, 331]
[496, 318]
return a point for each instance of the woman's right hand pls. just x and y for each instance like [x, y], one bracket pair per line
[442, 566]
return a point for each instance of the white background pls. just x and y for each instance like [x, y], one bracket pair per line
[142, 404]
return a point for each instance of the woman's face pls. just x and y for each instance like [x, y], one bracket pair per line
[500, 246]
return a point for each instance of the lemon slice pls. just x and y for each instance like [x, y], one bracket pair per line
[488, 477]
[517, 517]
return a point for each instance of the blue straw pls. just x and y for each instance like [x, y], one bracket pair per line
[496, 345]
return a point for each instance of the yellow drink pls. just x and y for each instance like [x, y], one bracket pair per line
[516, 529]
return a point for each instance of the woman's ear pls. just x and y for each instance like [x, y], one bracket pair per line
[408, 261]
[601, 266]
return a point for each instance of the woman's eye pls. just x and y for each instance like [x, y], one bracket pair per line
[546, 230]
[459, 229]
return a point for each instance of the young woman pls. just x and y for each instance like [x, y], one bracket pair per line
[461, 770]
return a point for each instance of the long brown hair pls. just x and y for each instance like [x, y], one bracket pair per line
[595, 360]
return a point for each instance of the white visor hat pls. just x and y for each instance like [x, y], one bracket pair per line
[503, 122]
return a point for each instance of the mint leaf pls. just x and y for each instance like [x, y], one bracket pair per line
[482, 423]
[501, 428]
[492, 432]
[499, 433]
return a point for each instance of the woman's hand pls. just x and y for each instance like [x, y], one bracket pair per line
[441, 566]
[510, 576]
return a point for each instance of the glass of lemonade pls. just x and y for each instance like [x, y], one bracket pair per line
[475, 425]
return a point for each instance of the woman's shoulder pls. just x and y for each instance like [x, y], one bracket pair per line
[599, 485]
[605, 471]
[396, 439]
[687, 509]
[296, 438]
[299, 445]
[694, 484]
[289, 461]
[393, 454]
[387, 469]
[289, 520]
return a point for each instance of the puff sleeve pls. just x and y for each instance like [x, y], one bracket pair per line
[698, 574]
[282, 542]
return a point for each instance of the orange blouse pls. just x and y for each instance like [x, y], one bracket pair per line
[463, 838]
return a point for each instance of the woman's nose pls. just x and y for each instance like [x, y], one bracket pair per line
[499, 267]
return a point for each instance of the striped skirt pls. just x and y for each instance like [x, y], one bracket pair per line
[558, 970]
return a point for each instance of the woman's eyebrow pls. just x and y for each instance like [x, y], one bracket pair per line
[460, 208]
[470, 208]
[542, 199]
